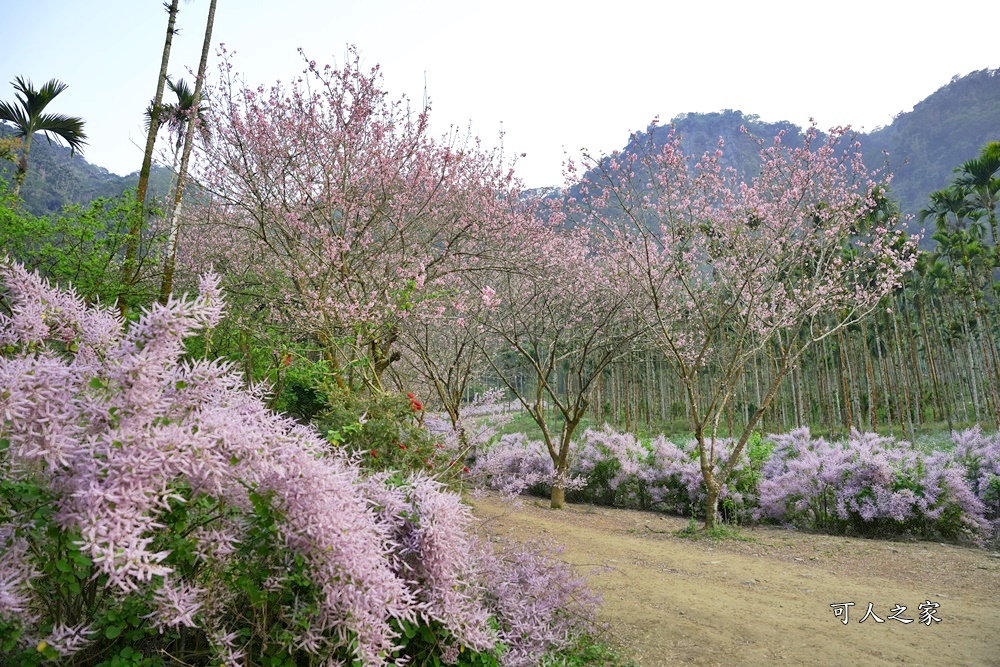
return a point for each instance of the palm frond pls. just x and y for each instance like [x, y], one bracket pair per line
[14, 114]
[67, 128]
[37, 99]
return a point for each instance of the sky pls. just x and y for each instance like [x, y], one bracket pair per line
[552, 76]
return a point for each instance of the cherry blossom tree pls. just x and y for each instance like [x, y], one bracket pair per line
[549, 320]
[439, 350]
[356, 210]
[726, 270]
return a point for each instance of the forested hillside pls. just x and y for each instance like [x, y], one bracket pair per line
[56, 178]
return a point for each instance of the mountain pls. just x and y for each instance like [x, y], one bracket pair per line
[942, 132]
[924, 145]
[56, 178]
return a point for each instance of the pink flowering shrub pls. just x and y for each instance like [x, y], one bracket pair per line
[516, 465]
[619, 469]
[870, 484]
[979, 455]
[151, 506]
[538, 602]
[623, 470]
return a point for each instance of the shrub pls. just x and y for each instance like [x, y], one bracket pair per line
[869, 484]
[516, 465]
[152, 506]
[540, 604]
[979, 455]
[383, 431]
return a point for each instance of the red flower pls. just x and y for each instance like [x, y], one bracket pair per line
[374, 454]
[410, 396]
[465, 469]
[402, 446]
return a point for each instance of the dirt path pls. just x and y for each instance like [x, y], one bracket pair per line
[673, 601]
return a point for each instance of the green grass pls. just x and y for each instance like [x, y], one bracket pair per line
[522, 422]
[721, 531]
[588, 651]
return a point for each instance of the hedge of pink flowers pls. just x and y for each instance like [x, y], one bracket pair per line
[868, 484]
[151, 505]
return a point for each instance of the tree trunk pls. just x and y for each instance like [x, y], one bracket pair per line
[712, 505]
[558, 498]
[135, 228]
[168, 268]
[22, 165]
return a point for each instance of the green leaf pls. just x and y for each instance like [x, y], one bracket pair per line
[113, 631]
[97, 383]
[63, 566]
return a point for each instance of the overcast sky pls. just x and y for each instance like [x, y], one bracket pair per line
[556, 76]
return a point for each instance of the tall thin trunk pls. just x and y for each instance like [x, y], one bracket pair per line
[129, 268]
[22, 165]
[908, 406]
[973, 372]
[168, 268]
[882, 369]
[845, 380]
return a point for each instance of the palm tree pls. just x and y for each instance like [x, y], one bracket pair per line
[978, 177]
[155, 108]
[28, 118]
[175, 116]
[949, 208]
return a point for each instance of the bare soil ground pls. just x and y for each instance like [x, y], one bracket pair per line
[764, 601]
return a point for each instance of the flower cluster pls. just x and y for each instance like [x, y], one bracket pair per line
[539, 602]
[515, 465]
[150, 483]
[868, 484]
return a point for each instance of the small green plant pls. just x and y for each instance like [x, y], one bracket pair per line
[720, 531]
[432, 646]
[588, 651]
